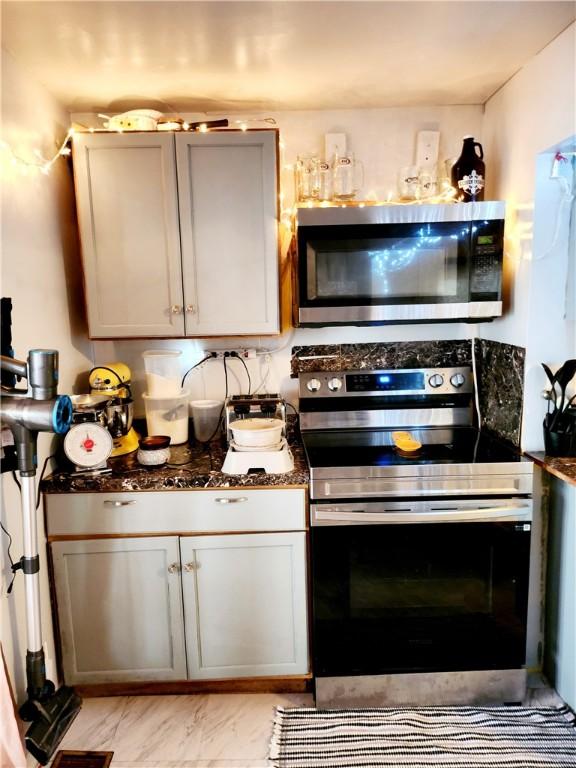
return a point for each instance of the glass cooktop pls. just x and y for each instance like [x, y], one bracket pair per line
[375, 448]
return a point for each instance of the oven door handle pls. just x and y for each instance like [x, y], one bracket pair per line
[520, 512]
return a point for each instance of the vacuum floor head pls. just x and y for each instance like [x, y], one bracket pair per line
[55, 715]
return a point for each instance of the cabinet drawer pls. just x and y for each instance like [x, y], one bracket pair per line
[213, 511]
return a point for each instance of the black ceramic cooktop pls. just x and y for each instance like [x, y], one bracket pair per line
[375, 448]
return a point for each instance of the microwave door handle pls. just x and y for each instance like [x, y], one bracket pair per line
[420, 516]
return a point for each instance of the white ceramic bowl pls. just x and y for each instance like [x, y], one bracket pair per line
[257, 433]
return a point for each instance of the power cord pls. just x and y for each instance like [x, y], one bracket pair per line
[224, 363]
[119, 378]
[476, 383]
[39, 493]
[12, 568]
[211, 356]
[237, 357]
[206, 443]
[15, 567]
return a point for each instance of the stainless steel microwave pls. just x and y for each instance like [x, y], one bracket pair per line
[399, 263]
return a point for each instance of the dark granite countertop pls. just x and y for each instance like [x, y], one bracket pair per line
[559, 466]
[191, 466]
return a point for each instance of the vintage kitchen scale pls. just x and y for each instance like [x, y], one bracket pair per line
[88, 443]
[256, 434]
[102, 420]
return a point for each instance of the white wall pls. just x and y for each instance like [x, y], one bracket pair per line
[560, 662]
[384, 140]
[524, 123]
[40, 274]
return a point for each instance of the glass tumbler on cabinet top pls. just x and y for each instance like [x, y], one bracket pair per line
[347, 177]
[323, 180]
[306, 182]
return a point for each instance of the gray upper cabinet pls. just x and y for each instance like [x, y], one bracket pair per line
[128, 219]
[179, 233]
[228, 205]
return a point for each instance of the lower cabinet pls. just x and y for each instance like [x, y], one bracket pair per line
[245, 604]
[120, 609]
[167, 608]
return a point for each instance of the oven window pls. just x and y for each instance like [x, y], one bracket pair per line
[384, 268]
[433, 597]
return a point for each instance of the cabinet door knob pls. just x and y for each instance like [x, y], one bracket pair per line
[176, 309]
[173, 568]
[190, 567]
[228, 500]
[190, 308]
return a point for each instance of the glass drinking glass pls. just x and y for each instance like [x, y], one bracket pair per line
[306, 186]
[323, 180]
[408, 187]
[347, 177]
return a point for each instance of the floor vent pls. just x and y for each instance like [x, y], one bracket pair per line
[67, 758]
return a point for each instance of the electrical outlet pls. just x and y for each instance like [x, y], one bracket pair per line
[427, 145]
[218, 354]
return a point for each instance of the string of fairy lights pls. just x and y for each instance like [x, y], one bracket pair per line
[38, 163]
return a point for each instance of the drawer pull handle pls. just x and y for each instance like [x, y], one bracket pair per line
[173, 568]
[110, 503]
[227, 500]
[190, 567]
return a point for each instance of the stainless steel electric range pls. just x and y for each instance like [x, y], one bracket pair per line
[420, 562]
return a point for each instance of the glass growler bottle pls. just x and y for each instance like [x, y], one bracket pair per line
[468, 172]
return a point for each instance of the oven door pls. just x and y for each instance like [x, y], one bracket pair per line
[419, 590]
[377, 273]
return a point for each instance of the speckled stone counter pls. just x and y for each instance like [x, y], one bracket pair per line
[562, 467]
[191, 466]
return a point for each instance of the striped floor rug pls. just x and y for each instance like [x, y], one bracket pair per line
[425, 737]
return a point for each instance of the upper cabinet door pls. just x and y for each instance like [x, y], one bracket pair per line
[128, 218]
[228, 196]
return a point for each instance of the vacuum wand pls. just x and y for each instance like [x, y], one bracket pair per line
[28, 412]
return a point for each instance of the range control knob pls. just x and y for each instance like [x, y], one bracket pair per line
[335, 384]
[313, 385]
[457, 380]
[436, 380]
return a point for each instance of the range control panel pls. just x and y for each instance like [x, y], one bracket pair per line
[396, 382]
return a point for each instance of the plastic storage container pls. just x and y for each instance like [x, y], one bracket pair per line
[206, 415]
[168, 416]
[163, 372]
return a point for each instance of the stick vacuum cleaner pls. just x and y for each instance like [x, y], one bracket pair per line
[27, 412]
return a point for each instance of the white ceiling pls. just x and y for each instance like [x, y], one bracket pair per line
[245, 56]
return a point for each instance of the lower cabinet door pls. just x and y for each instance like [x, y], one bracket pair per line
[120, 609]
[245, 604]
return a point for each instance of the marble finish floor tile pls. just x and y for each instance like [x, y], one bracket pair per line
[238, 726]
[225, 730]
[160, 728]
[94, 728]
